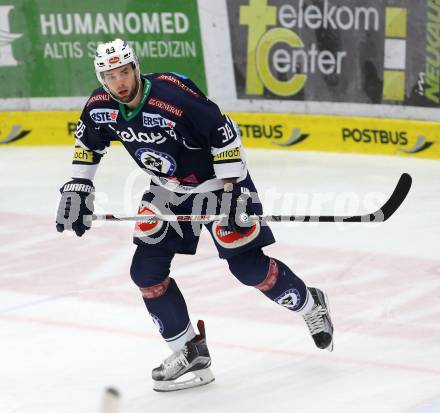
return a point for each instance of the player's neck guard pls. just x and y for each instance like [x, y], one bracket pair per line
[130, 114]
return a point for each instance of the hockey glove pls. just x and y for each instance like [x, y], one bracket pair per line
[76, 201]
[240, 207]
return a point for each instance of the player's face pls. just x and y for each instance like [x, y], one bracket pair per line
[122, 82]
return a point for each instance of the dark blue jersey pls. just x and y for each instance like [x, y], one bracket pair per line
[176, 134]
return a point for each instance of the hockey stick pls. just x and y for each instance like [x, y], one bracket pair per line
[382, 214]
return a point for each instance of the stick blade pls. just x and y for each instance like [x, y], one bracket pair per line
[389, 207]
[396, 199]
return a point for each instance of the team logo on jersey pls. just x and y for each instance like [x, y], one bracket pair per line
[228, 239]
[289, 299]
[104, 115]
[158, 322]
[156, 161]
[146, 229]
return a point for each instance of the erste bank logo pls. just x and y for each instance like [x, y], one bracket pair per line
[151, 120]
[104, 115]
[6, 38]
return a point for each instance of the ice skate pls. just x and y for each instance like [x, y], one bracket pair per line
[319, 322]
[186, 368]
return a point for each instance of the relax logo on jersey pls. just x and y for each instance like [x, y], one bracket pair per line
[150, 120]
[104, 115]
[156, 161]
[131, 136]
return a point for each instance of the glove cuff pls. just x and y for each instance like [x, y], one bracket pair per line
[78, 185]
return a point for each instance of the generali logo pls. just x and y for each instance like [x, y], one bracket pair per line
[6, 38]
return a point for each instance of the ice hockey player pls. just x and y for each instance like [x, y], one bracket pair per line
[194, 156]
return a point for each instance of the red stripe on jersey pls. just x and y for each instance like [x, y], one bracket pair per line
[178, 83]
[102, 97]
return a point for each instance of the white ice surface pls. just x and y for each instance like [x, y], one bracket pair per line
[72, 322]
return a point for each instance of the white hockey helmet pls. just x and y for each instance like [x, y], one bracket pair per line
[114, 54]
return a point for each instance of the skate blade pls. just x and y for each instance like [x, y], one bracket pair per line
[189, 380]
[331, 345]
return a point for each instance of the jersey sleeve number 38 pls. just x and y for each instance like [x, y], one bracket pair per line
[227, 130]
[80, 128]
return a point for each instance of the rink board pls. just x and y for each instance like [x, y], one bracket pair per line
[261, 130]
[340, 134]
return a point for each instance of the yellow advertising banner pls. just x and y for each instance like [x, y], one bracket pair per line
[339, 134]
[38, 128]
[261, 130]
